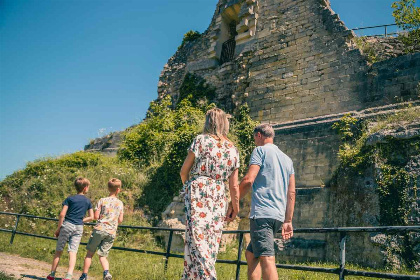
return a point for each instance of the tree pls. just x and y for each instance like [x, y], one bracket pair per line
[407, 17]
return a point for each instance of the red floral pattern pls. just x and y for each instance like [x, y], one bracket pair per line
[205, 204]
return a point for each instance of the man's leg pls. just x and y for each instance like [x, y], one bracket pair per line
[254, 267]
[268, 267]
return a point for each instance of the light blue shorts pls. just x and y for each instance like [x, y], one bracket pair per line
[69, 233]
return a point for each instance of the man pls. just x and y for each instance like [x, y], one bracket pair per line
[271, 176]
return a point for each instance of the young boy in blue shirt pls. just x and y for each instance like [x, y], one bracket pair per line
[70, 226]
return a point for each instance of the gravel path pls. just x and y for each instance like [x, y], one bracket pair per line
[24, 268]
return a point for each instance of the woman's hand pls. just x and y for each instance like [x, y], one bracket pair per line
[231, 213]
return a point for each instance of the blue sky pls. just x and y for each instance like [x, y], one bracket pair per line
[71, 71]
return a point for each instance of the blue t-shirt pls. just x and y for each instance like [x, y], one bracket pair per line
[78, 205]
[269, 191]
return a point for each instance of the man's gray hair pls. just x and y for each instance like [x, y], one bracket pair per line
[265, 129]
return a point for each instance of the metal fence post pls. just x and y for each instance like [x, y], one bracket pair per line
[168, 250]
[14, 230]
[238, 260]
[343, 236]
[385, 31]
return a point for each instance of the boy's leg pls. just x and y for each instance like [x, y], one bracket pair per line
[88, 261]
[103, 252]
[56, 260]
[63, 237]
[104, 263]
[72, 262]
[74, 241]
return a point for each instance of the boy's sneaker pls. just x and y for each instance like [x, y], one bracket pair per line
[107, 276]
[49, 277]
[83, 277]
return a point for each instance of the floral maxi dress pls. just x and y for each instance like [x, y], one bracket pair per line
[205, 204]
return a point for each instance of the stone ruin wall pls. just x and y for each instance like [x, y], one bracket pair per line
[296, 65]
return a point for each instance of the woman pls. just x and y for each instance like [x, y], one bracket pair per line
[212, 159]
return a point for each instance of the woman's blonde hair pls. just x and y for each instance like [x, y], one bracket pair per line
[217, 123]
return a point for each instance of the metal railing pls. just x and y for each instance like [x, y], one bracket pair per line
[342, 271]
[385, 26]
[228, 50]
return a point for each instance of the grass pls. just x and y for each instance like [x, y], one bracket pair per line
[130, 265]
[4, 276]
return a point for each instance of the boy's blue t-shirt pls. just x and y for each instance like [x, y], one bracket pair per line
[269, 191]
[78, 205]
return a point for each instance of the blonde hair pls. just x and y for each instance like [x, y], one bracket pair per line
[217, 123]
[114, 184]
[81, 183]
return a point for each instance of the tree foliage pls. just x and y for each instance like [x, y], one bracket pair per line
[160, 143]
[407, 16]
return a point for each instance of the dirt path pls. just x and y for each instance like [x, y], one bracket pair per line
[24, 268]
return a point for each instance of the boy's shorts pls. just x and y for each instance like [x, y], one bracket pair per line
[69, 233]
[262, 236]
[102, 241]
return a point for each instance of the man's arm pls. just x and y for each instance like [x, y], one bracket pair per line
[244, 186]
[248, 180]
[287, 228]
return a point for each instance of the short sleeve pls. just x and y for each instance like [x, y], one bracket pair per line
[194, 147]
[89, 205]
[98, 205]
[238, 160]
[66, 202]
[257, 157]
[292, 170]
[122, 208]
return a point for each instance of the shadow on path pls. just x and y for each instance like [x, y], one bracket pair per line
[36, 277]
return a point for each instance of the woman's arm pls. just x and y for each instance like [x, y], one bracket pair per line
[186, 167]
[234, 196]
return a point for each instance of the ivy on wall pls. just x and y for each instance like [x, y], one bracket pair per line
[396, 186]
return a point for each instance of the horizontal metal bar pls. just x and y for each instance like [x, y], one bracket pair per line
[309, 268]
[358, 229]
[377, 26]
[176, 256]
[381, 275]
[139, 251]
[6, 230]
[284, 266]
[298, 230]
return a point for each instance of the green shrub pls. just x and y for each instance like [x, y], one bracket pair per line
[188, 37]
[41, 187]
[407, 16]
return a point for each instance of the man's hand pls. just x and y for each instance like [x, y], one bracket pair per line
[57, 232]
[231, 214]
[287, 231]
